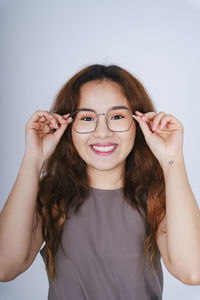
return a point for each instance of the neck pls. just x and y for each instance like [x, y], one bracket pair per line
[106, 179]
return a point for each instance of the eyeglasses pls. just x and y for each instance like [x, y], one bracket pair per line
[86, 120]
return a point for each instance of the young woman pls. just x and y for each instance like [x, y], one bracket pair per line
[103, 183]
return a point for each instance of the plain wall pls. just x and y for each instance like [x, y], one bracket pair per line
[43, 43]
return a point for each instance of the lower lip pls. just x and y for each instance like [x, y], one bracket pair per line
[103, 153]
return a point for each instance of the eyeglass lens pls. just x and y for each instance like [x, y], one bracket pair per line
[117, 120]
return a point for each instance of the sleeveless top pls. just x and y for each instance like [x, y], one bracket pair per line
[103, 253]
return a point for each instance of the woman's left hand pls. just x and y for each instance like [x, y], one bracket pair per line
[163, 134]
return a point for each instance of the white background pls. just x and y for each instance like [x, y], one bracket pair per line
[43, 43]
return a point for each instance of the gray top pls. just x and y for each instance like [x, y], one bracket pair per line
[103, 253]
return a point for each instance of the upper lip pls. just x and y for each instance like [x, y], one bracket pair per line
[103, 144]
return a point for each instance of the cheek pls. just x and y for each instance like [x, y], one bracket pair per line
[130, 138]
[129, 144]
[78, 142]
[75, 141]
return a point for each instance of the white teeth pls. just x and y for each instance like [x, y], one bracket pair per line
[104, 149]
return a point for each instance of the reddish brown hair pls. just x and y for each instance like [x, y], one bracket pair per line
[64, 181]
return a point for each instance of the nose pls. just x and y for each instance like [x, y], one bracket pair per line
[102, 129]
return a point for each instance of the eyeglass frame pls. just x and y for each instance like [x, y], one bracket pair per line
[102, 114]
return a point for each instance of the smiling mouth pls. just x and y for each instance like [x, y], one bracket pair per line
[103, 150]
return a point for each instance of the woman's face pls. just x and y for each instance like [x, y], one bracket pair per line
[101, 96]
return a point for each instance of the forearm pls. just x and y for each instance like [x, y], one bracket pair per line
[17, 215]
[182, 216]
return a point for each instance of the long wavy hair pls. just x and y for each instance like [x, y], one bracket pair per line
[64, 183]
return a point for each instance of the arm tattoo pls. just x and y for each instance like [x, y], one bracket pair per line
[171, 162]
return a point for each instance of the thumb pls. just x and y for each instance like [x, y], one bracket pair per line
[59, 131]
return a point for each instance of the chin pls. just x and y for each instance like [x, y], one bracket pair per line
[103, 166]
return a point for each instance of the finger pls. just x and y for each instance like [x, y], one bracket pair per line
[156, 120]
[53, 121]
[41, 119]
[41, 127]
[164, 121]
[168, 119]
[44, 120]
[40, 114]
[138, 113]
[59, 132]
[66, 115]
[51, 124]
[60, 118]
[49, 118]
[147, 115]
[144, 126]
[57, 120]
[64, 122]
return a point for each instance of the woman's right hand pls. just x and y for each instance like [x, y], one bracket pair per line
[40, 141]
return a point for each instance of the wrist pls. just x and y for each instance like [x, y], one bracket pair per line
[171, 160]
[33, 160]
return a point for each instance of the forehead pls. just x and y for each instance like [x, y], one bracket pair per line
[101, 95]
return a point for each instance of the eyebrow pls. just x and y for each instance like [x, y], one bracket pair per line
[111, 108]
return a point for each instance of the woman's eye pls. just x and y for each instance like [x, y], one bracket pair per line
[87, 119]
[117, 117]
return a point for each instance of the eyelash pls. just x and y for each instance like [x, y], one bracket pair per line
[112, 117]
